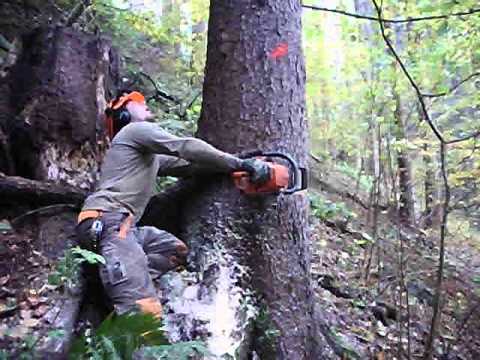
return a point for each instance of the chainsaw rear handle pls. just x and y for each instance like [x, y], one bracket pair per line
[299, 174]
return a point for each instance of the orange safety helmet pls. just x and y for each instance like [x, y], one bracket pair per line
[117, 104]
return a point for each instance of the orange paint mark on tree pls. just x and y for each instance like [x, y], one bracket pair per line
[280, 51]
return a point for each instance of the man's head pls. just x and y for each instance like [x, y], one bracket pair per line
[124, 109]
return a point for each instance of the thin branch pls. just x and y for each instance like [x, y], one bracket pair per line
[464, 138]
[423, 106]
[50, 209]
[446, 203]
[5, 44]
[113, 7]
[158, 92]
[183, 113]
[453, 88]
[437, 299]
[393, 21]
[77, 11]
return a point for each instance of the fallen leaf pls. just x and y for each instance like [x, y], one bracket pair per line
[4, 279]
[33, 300]
[30, 322]
[18, 332]
[40, 311]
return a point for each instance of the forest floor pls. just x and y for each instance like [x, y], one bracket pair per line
[363, 309]
[29, 303]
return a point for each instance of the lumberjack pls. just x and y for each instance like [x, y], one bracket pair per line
[140, 151]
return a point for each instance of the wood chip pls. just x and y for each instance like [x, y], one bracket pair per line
[4, 280]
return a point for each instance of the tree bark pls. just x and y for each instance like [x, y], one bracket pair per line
[55, 103]
[16, 191]
[405, 177]
[51, 112]
[254, 100]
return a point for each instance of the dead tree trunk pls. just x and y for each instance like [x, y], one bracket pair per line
[55, 103]
[253, 253]
[52, 104]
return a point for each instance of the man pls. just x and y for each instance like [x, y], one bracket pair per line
[140, 150]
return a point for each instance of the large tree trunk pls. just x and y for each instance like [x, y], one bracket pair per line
[253, 253]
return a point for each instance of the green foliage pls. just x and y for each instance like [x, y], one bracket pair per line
[364, 181]
[266, 332]
[325, 209]
[66, 270]
[179, 351]
[357, 93]
[120, 336]
[164, 182]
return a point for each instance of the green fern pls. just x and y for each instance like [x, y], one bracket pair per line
[120, 336]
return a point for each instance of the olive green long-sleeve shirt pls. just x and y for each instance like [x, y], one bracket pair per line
[140, 152]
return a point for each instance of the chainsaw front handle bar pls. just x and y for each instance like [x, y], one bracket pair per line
[299, 174]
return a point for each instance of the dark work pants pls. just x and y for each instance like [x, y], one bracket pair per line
[131, 262]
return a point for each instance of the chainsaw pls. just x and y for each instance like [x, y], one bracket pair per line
[284, 179]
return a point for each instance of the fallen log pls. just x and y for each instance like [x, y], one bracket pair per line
[16, 190]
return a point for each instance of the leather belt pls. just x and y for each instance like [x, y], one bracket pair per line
[88, 214]
[95, 214]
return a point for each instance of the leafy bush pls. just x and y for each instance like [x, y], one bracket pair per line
[66, 270]
[325, 209]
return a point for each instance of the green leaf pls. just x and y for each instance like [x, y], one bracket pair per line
[54, 279]
[178, 351]
[88, 256]
[56, 334]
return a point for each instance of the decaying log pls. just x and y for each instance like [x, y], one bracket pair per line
[15, 191]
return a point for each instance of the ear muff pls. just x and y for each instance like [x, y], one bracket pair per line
[124, 116]
[117, 115]
[116, 120]
[121, 118]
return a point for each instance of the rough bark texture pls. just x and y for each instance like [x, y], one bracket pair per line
[52, 99]
[251, 101]
[56, 96]
[18, 191]
[405, 181]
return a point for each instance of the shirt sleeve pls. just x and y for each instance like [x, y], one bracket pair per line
[177, 167]
[151, 137]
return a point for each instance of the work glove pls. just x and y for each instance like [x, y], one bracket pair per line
[258, 170]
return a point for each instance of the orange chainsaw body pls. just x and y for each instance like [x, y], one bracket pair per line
[279, 180]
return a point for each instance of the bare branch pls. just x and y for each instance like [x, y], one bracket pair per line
[77, 11]
[423, 106]
[5, 44]
[113, 7]
[50, 210]
[464, 138]
[158, 92]
[393, 21]
[453, 88]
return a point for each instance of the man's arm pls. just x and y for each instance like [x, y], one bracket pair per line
[153, 138]
[177, 167]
